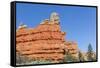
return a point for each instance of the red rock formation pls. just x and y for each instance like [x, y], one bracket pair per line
[46, 41]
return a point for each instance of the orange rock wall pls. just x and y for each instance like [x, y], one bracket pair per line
[46, 41]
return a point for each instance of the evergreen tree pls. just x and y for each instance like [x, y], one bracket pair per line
[90, 53]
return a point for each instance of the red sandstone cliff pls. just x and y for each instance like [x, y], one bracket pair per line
[46, 41]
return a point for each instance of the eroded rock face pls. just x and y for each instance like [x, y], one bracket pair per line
[46, 42]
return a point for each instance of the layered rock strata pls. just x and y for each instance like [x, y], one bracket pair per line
[44, 42]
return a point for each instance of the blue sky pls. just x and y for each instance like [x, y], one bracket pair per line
[79, 23]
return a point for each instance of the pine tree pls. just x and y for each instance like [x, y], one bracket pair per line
[90, 53]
